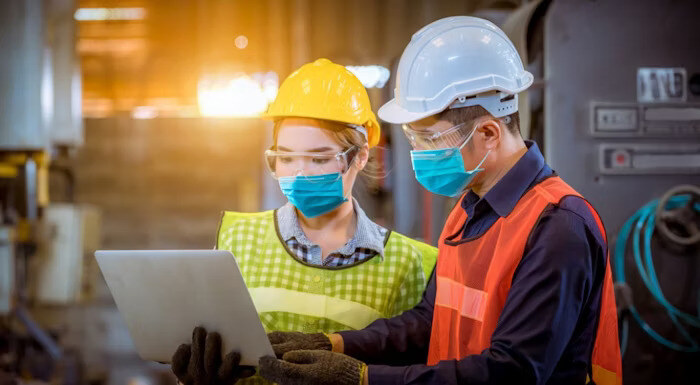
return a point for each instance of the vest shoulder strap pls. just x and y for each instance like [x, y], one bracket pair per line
[228, 218]
[428, 253]
[556, 189]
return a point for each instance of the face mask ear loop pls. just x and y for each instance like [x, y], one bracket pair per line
[346, 197]
[350, 164]
[478, 168]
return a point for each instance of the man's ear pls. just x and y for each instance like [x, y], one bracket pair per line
[489, 132]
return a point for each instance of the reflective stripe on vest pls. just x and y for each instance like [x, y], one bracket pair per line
[353, 314]
[474, 277]
[467, 301]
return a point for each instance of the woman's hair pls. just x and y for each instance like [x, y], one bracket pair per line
[346, 137]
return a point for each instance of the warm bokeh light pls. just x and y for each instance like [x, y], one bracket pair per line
[94, 14]
[241, 42]
[373, 76]
[144, 112]
[231, 96]
[269, 81]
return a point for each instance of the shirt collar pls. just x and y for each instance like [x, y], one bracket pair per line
[507, 192]
[368, 235]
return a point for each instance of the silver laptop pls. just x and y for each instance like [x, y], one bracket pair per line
[163, 294]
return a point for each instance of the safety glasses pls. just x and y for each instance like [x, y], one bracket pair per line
[453, 137]
[308, 164]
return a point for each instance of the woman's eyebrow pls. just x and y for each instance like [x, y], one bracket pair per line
[319, 149]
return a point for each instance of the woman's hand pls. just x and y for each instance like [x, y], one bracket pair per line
[201, 363]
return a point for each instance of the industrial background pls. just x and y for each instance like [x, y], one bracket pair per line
[131, 124]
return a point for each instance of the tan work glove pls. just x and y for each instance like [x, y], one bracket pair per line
[283, 342]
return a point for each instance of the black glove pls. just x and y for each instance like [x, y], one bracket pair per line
[201, 364]
[319, 367]
[283, 342]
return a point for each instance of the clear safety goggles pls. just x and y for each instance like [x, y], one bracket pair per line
[453, 137]
[308, 164]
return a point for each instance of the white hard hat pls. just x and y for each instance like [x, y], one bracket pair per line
[456, 62]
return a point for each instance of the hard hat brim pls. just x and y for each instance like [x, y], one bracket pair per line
[392, 112]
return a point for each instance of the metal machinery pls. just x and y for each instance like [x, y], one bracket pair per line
[41, 244]
[622, 125]
[615, 108]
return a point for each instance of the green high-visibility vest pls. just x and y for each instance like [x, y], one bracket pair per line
[291, 295]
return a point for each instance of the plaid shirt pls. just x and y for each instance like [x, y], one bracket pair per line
[367, 241]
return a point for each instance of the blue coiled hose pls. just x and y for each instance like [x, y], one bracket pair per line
[641, 226]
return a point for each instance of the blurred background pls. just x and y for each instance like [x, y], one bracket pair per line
[131, 124]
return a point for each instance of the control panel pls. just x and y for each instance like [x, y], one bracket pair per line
[643, 120]
[636, 158]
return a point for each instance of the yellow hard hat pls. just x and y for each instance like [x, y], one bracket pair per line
[325, 90]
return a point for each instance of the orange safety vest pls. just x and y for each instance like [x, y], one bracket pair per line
[473, 280]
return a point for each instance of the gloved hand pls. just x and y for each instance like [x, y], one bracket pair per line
[283, 342]
[320, 367]
[201, 364]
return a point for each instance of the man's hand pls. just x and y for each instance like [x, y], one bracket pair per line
[283, 342]
[321, 367]
[201, 364]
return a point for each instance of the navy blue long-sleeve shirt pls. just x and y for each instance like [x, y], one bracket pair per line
[547, 328]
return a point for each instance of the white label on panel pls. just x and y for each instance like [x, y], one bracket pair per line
[616, 119]
[661, 85]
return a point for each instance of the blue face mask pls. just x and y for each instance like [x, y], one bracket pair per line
[314, 195]
[442, 171]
